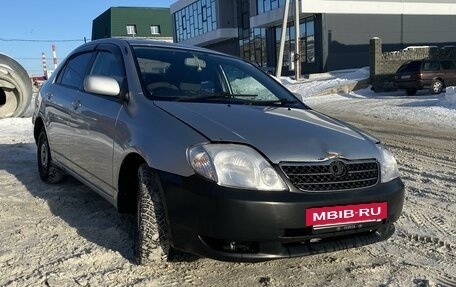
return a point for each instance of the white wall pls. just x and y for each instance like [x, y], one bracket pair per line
[406, 7]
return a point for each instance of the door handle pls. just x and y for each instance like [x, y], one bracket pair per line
[76, 104]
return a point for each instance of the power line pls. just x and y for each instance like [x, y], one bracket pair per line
[21, 58]
[42, 41]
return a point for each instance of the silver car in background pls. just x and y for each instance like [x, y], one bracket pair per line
[212, 156]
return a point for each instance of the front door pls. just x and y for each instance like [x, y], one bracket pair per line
[95, 118]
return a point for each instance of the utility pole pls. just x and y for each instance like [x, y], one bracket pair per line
[54, 56]
[43, 59]
[297, 57]
[282, 39]
[297, 54]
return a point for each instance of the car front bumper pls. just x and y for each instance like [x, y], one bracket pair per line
[244, 225]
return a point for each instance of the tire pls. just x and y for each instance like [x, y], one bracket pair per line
[151, 232]
[48, 171]
[437, 86]
[411, 92]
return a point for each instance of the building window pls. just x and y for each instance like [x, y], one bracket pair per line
[252, 41]
[264, 6]
[155, 29]
[131, 30]
[253, 47]
[289, 43]
[195, 19]
[306, 38]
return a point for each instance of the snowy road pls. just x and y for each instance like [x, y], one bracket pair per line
[66, 235]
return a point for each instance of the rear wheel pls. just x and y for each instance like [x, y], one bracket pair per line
[151, 234]
[411, 92]
[48, 171]
[437, 86]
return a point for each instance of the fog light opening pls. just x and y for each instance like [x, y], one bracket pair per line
[240, 246]
[232, 246]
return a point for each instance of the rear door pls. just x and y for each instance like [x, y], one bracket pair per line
[449, 68]
[431, 69]
[95, 118]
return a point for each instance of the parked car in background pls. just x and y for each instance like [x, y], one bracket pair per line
[211, 155]
[426, 74]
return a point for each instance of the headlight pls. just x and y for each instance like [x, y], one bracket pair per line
[234, 165]
[388, 165]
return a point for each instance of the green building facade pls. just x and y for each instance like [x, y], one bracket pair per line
[140, 22]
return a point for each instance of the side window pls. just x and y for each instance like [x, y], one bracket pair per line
[107, 64]
[448, 65]
[75, 71]
[431, 66]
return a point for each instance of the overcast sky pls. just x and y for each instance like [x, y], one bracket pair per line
[29, 28]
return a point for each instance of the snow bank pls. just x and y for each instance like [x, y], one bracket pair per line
[450, 96]
[328, 83]
[328, 89]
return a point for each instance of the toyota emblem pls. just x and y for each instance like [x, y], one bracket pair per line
[338, 168]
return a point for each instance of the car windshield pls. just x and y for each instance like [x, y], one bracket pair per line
[193, 76]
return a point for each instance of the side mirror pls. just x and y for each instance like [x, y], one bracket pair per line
[101, 85]
[2, 97]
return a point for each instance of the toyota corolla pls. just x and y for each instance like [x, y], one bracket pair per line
[211, 155]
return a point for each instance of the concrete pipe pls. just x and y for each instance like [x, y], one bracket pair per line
[15, 88]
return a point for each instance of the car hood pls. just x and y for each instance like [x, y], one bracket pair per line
[282, 134]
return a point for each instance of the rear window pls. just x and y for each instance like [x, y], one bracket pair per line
[413, 66]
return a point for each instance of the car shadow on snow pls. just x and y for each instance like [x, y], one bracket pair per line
[422, 103]
[93, 217]
[422, 99]
[434, 102]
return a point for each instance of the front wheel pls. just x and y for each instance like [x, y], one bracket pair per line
[48, 171]
[437, 86]
[151, 234]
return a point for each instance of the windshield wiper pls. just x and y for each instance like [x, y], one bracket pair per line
[243, 95]
[219, 96]
[274, 102]
[201, 98]
[234, 98]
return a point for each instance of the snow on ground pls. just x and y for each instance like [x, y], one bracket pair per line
[327, 83]
[429, 110]
[422, 109]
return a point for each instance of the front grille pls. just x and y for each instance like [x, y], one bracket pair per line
[321, 176]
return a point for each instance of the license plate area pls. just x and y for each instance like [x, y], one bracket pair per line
[346, 217]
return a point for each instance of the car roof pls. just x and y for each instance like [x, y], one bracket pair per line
[147, 42]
